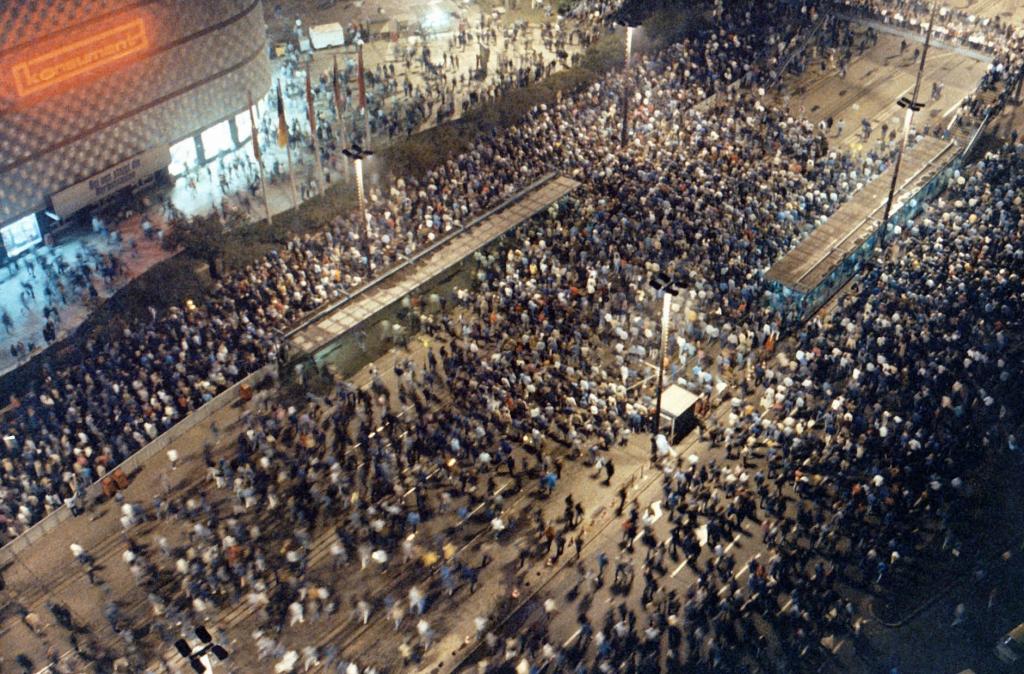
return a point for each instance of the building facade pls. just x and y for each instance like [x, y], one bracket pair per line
[96, 95]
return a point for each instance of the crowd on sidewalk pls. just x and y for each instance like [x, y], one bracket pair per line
[435, 85]
[952, 24]
[52, 282]
[836, 461]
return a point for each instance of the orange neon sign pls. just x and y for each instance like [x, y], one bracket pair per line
[80, 57]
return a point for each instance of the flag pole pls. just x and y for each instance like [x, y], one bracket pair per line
[339, 122]
[291, 176]
[259, 161]
[283, 141]
[266, 198]
[311, 111]
[364, 231]
[362, 101]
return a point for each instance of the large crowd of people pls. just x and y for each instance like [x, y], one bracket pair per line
[541, 363]
[863, 459]
[81, 420]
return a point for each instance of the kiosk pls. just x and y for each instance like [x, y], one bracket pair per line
[678, 413]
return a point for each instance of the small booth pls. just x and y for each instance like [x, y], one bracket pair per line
[327, 35]
[678, 413]
[21, 235]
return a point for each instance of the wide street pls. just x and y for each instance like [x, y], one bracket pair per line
[48, 573]
[875, 80]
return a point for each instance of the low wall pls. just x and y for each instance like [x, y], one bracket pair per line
[161, 444]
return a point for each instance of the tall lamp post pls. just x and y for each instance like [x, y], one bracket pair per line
[199, 657]
[668, 288]
[630, 23]
[911, 105]
[357, 154]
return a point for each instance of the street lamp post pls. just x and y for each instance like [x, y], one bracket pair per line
[668, 289]
[357, 154]
[911, 105]
[339, 108]
[625, 115]
[199, 657]
[627, 88]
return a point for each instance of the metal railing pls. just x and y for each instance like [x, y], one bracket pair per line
[136, 460]
[973, 141]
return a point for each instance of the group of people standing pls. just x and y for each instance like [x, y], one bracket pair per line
[837, 442]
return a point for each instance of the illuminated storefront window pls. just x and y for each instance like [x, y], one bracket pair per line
[243, 126]
[21, 235]
[183, 156]
[217, 139]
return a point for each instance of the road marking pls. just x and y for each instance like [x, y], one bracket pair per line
[656, 507]
[477, 509]
[679, 568]
[739, 573]
[571, 637]
[952, 108]
[734, 542]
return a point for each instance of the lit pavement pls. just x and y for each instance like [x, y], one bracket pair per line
[28, 325]
[29, 320]
[208, 191]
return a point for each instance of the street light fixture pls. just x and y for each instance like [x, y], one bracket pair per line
[630, 23]
[911, 105]
[198, 657]
[357, 153]
[669, 288]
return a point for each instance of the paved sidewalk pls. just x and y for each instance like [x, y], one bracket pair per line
[73, 247]
[197, 191]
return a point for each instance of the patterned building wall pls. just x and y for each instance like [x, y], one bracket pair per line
[203, 56]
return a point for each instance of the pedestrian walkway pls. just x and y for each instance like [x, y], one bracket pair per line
[226, 182]
[444, 90]
[23, 290]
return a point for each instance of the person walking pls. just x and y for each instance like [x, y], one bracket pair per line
[602, 562]
[417, 600]
[363, 609]
[959, 615]
[609, 469]
[426, 634]
[396, 614]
